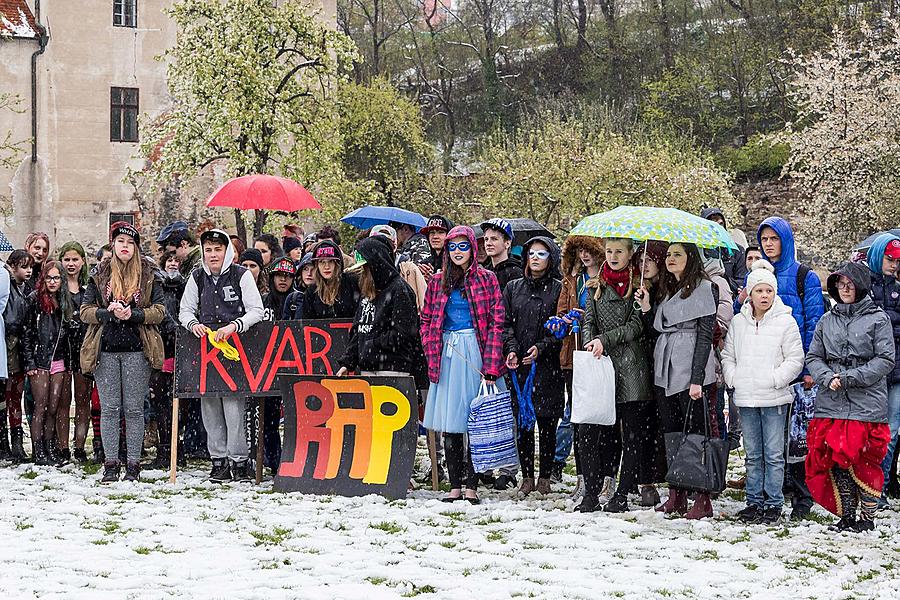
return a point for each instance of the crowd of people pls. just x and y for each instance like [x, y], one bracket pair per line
[743, 346]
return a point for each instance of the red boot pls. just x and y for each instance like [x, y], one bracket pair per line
[676, 502]
[702, 508]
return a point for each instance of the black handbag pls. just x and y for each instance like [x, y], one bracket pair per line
[697, 463]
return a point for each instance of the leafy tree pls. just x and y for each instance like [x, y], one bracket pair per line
[253, 88]
[11, 150]
[845, 142]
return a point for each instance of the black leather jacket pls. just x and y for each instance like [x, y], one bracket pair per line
[44, 337]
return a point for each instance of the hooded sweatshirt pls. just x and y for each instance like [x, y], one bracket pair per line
[385, 332]
[529, 302]
[485, 304]
[856, 342]
[509, 270]
[215, 300]
[810, 309]
[886, 293]
[762, 358]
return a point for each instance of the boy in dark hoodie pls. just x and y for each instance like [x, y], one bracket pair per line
[222, 295]
[498, 237]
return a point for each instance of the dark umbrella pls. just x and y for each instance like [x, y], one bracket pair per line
[525, 229]
[867, 243]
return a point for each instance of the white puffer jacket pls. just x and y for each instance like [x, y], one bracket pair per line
[762, 358]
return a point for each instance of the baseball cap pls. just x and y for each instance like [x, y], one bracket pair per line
[501, 225]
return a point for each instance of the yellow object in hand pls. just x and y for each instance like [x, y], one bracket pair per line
[228, 351]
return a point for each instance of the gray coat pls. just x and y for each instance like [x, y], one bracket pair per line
[856, 342]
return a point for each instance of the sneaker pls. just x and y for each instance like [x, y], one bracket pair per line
[864, 525]
[769, 516]
[588, 504]
[556, 472]
[133, 471]
[487, 479]
[220, 472]
[649, 496]
[111, 472]
[240, 471]
[799, 514]
[578, 493]
[750, 514]
[845, 524]
[617, 504]
[505, 482]
[607, 491]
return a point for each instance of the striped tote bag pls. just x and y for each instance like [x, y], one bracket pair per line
[492, 430]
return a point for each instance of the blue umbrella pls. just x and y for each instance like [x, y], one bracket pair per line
[5, 246]
[369, 216]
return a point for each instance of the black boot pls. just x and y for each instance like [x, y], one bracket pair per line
[111, 472]
[99, 456]
[133, 471]
[240, 470]
[80, 456]
[221, 472]
[54, 454]
[5, 450]
[18, 450]
[162, 460]
[39, 449]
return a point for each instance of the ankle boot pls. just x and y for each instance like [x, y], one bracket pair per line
[5, 451]
[18, 450]
[99, 457]
[702, 508]
[527, 486]
[676, 502]
[39, 449]
[543, 486]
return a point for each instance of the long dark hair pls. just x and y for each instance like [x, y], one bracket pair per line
[690, 279]
[51, 302]
[455, 276]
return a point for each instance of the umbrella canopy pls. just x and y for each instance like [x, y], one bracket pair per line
[644, 223]
[867, 243]
[525, 229]
[5, 246]
[263, 192]
[370, 216]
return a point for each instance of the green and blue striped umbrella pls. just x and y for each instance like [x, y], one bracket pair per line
[642, 223]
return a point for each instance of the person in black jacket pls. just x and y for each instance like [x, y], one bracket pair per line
[19, 264]
[735, 261]
[305, 279]
[530, 302]
[336, 293]
[44, 353]
[172, 282]
[385, 332]
[498, 237]
[282, 273]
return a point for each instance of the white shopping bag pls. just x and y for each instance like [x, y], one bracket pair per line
[593, 389]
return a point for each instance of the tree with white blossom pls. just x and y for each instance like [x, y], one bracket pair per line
[845, 141]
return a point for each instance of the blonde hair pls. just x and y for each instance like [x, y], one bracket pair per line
[328, 289]
[367, 283]
[125, 278]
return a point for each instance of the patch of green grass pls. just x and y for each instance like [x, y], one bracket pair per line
[145, 550]
[783, 533]
[866, 576]
[547, 566]
[743, 537]
[22, 525]
[819, 518]
[664, 592]
[127, 497]
[416, 590]
[278, 535]
[91, 468]
[29, 474]
[532, 546]
[454, 515]
[496, 536]
[707, 555]
[376, 580]
[388, 527]
[110, 527]
[805, 562]
[489, 520]
[448, 545]
[101, 542]
[750, 566]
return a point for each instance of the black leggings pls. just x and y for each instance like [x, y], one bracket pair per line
[459, 462]
[601, 451]
[161, 401]
[47, 390]
[546, 427]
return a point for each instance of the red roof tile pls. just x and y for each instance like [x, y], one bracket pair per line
[16, 19]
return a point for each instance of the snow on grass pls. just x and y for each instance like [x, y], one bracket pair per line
[65, 535]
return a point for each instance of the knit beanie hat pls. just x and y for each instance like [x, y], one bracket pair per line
[291, 243]
[123, 227]
[762, 271]
[251, 254]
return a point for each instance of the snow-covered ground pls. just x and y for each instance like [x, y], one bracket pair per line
[66, 536]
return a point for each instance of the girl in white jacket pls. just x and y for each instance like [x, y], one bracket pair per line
[763, 354]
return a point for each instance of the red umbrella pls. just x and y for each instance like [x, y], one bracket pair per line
[263, 192]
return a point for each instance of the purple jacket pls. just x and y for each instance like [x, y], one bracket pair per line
[485, 303]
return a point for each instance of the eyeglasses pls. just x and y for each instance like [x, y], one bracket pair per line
[461, 246]
[53, 278]
[542, 254]
[845, 286]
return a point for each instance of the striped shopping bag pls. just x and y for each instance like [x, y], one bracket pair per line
[492, 430]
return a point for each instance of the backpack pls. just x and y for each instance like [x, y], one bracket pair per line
[802, 272]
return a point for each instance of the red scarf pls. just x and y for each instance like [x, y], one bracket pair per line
[619, 280]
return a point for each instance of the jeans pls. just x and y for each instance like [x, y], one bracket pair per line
[564, 435]
[764, 444]
[894, 423]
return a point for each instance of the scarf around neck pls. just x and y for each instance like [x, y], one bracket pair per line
[619, 280]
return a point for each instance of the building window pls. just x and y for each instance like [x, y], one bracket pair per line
[123, 114]
[116, 217]
[125, 13]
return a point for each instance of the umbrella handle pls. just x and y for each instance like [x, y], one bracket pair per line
[637, 305]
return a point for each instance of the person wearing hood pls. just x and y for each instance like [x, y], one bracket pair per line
[336, 292]
[498, 238]
[612, 326]
[582, 257]
[305, 279]
[883, 260]
[462, 335]
[763, 354]
[385, 332]
[123, 307]
[410, 273]
[733, 263]
[222, 296]
[282, 274]
[851, 356]
[529, 302]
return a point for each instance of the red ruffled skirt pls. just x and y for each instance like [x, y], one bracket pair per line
[856, 446]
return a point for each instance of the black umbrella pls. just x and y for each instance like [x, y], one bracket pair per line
[867, 243]
[525, 229]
